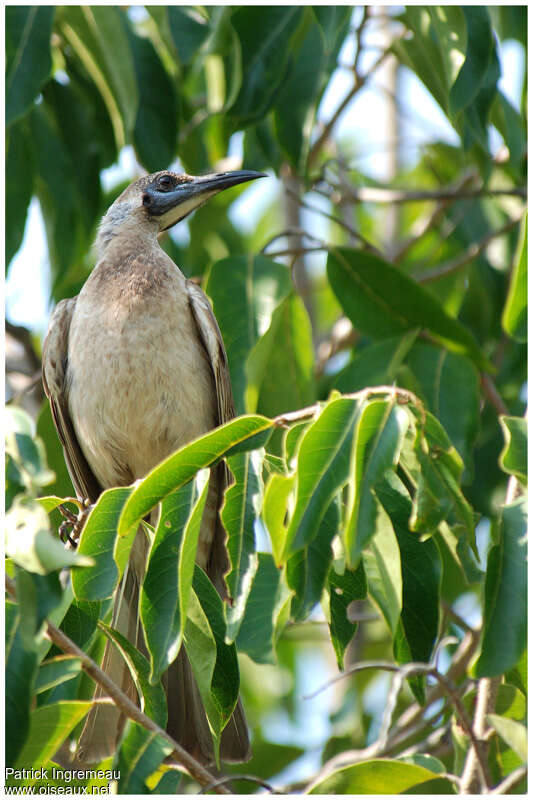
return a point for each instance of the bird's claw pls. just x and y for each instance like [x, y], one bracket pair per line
[72, 526]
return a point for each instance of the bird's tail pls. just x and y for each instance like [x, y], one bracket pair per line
[187, 721]
[105, 722]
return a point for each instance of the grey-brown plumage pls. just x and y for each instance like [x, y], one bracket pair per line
[134, 368]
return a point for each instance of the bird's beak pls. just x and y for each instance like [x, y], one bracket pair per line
[174, 205]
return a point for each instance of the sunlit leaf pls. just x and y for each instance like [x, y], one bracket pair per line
[505, 612]
[342, 591]
[168, 580]
[238, 516]
[381, 776]
[49, 727]
[513, 458]
[238, 435]
[265, 611]
[379, 434]
[513, 733]
[323, 468]
[514, 318]
[31, 544]
[97, 542]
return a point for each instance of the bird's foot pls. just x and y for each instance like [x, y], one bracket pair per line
[72, 526]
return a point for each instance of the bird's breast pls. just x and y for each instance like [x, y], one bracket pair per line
[140, 382]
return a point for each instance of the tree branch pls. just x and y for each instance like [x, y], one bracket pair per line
[476, 763]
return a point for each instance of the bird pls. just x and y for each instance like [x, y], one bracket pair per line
[134, 367]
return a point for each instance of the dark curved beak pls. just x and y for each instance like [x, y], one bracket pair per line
[174, 205]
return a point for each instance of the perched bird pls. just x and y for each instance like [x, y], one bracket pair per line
[134, 368]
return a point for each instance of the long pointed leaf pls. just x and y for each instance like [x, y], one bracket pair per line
[238, 435]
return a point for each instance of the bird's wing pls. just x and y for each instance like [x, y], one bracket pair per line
[55, 359]
[212, 340]
[218, 564]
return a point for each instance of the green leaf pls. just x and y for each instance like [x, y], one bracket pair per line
[421, 577]
[383, 570]
[80, 621]
[424, 53]
[513, 733]
[505, 613]
[155, 133]
[382, 301]
[265, 38]
[238, 517]
[265, 613]
[378, 439]
[480, 43]
[26, 450]
[514, 318]
[448, 383]
[28, 58]
[49, 727]
[81, 133]
[375, 365]
[97, 34]
[323, 468]
[239, 435]
[213, 661]
[513, 458]
[279, 367]
[168, 580]
[438, 496]
[310, 66]
[151, 694]
[188, 30]
[55, 671]
[21, 668]
[307, 569]
[274, 512]
[381, 776]
[58, 195]
[38, 596]
[343, 590]
[140, 754]
[31, 544]
[19, 185]
[97, 541]
[511, 126]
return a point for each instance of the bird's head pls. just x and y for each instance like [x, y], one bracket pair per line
[158, 201]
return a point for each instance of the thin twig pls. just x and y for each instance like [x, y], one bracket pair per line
[510, 781]
[292, 232]
[419, 668]
[492, 394]
[122, 701]
[335, 219]
[402, 396]
[358, 84]
[476, 762]
[378, 194]
[472, 252]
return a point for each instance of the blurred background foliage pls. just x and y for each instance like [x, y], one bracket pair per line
[335, 276]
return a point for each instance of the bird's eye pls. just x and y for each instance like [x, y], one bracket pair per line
[165, 182]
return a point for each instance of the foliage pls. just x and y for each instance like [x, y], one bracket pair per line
[380, 451]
